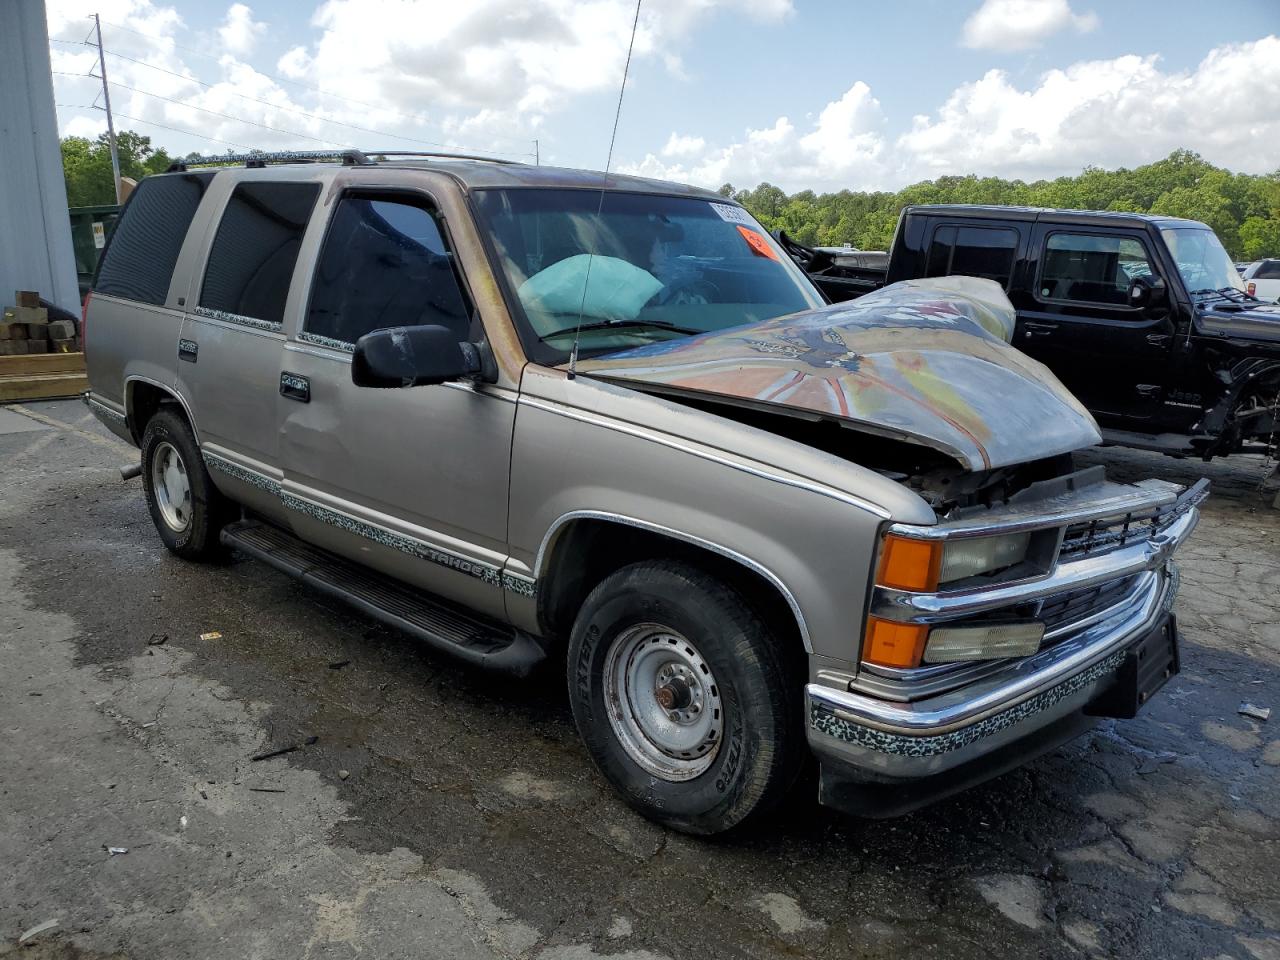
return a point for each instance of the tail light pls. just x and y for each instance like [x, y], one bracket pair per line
[1251, 289]
[84, 319]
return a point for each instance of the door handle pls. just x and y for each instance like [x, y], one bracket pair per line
[295, 387]
[188, 350]
[1159, 339]
[1030, 329]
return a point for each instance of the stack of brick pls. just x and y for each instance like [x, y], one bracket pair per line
[26, 328]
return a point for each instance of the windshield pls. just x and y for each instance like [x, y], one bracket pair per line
[634, 268]
[1202, 260]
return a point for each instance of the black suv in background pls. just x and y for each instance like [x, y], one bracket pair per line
[1144, 318]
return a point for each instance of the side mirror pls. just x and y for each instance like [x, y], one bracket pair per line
[412, 357]
[1147, 291]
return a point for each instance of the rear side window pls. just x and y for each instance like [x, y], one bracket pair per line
[986, 252]
[1268, 270]
[139, 260]
[1092, 269]
[254, 252]
[384, 264]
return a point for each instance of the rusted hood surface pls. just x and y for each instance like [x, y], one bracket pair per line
[922, 361]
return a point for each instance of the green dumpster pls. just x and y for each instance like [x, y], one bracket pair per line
[90, 227]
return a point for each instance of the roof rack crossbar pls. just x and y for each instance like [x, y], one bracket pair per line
[438, 155]
[349, 157]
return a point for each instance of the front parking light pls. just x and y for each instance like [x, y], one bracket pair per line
[923, 566]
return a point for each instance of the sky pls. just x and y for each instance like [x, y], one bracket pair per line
[804, 94]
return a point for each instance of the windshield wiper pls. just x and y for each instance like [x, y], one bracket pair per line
[618, 325]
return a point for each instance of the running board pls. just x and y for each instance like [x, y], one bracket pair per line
[469, 636]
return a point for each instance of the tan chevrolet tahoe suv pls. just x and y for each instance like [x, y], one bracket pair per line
[529, 414]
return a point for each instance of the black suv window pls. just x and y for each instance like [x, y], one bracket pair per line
[973, 252]
[139, 260]
[384, 264]
[1091, 268]
[253, 255]
[1268, 270]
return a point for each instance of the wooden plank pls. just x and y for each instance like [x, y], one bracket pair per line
[38, 364]
[44, 387]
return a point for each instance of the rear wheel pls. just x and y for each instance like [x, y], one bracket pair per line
[683, 697]
[187, 509]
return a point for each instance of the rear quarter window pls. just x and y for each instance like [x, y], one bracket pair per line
[255, 249]
[139, 260]
[1267, 270]
[986, 252]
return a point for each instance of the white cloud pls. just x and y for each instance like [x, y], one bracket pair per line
[1021, 24]
[1108, 113]
[479, 75]
[845, 145]
[679, 145]
[239, 31]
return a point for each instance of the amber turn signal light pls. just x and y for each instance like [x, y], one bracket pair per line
[892, 644]
[907, 564]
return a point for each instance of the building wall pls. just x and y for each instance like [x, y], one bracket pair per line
[35, 235]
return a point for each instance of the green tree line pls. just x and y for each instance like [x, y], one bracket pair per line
[86, 165]
[1243, 209]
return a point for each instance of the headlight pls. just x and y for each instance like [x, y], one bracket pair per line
[983, 642]
[977, 555]
[907, 563]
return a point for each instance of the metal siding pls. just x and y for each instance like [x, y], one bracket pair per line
[35, 232]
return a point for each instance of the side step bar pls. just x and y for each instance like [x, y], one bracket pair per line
[469, 636]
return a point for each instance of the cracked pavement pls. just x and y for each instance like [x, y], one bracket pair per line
[471, 823]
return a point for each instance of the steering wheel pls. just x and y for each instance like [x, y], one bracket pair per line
[687, 292]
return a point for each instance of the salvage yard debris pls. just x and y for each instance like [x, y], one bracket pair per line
[37, 930]
[1252, 710]
[275, 753]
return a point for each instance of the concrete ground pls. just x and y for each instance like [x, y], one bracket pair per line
[470, 822]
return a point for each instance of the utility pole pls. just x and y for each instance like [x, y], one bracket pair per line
[106, 96]
[537, 160]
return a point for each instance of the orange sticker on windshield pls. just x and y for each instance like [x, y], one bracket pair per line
[758, 244]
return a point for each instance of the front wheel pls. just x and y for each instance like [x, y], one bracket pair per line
[187, 509]
[684, 697]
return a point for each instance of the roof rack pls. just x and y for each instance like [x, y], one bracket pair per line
[349, 158]
[438, 155]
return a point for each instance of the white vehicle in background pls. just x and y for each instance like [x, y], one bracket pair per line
[1262, 279]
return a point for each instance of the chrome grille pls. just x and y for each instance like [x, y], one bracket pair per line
[1067, 609]
[1093, 537]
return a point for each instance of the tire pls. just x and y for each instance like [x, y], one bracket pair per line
[189, 525]
[686, 776]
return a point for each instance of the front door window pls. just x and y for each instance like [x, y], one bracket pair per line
[384, 264]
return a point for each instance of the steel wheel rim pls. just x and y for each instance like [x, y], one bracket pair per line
[663, 702]
[171, 486]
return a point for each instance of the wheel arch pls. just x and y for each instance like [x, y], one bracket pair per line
[143, 397]
[583, 547]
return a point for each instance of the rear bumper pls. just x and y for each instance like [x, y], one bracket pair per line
[931, 747]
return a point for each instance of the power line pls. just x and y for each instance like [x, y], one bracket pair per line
[297, 83]
[189, 133]
[284, 109]
[227, 116]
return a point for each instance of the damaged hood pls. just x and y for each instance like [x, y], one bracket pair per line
[927, 361]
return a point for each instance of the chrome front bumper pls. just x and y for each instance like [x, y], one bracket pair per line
[861, 733]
